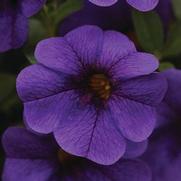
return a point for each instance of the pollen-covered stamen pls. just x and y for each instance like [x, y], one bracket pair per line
[100, 84]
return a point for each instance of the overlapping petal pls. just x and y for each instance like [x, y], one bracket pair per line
[87, 44]
[37, 82]
[27, 169]
[135, 120]
[149, 89]
[44, 115]
[91, 135]
[13, 29]
[19, 143]
[133, 65]
[31, 7]
[128, 170]
[57, 54]
[103, 2]
[163, 153]
[143, 5]
[173, 98]
[115, 47]
[134, 150]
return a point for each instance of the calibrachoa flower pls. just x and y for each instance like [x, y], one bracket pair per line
[117, 17]
[163, 155]
[38, 158]
[170, 108]
[142, 5]
[164, 151]
[93, 90]
[14, 16]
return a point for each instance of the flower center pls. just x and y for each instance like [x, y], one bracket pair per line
[100, 85]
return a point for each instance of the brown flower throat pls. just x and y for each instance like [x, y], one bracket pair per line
[100, 85]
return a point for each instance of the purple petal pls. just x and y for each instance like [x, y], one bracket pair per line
[13, 30]
[134, 65]
[136, 121]
[20, 143]
[86, 41]
[173, 96]
[149, 90]
[43, 115]
[115, 47]
[165, 114]
[28, 170]
[57, 54]
[164, 153]
[90, 174]
[134, 150]
[143, 5]
[38, 82]
[128, 170]
[31, 7]
[103, 2]
[115, 17]
[165, 11]
[86, 133]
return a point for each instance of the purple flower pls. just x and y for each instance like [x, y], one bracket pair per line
[170, 108]
[38, 158]
[164, 151]
[94, 91]
[14, 16]
[163, 155]
[117, 17]
[141, 5]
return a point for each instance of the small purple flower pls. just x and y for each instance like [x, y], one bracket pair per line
[31, 157]
[94, 91]
[170, 108]
[163, 155]
[117, 17]
[14, 16]
[141, 5]
[164, 151]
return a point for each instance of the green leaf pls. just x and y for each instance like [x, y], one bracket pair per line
[7, 85]
[30, 57]
[66, 9]
[177, 8]
[37, 32]
[173, 44]
[165, 65]
[149, 30]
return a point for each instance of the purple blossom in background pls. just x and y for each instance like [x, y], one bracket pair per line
[94, 91]
[14, 16]
[164, 151]
[117, 17]
[141, 5]
[170, 108]
[31, 157]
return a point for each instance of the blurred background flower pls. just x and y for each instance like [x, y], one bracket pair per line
[34, 157]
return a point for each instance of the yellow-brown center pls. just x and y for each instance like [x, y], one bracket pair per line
[100, 84]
